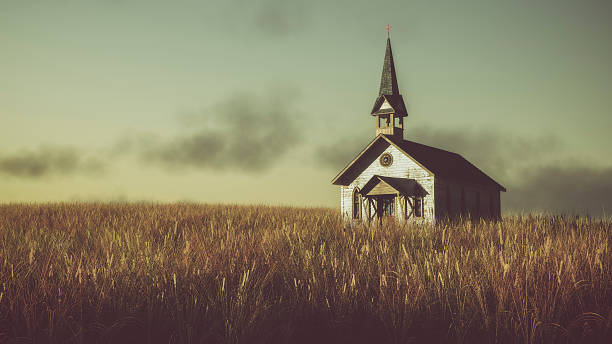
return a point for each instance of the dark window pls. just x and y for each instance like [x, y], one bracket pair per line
[356, 204]
[418, 207]
[387, 206]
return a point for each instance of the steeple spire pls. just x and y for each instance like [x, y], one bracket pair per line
[388, 80]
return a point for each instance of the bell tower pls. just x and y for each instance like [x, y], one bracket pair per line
[389, 108]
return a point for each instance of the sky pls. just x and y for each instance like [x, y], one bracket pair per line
[265, 101]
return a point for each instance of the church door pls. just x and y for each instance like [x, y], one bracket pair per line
[385, 206]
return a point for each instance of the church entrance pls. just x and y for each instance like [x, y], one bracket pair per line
[385, 205]
[392, 197]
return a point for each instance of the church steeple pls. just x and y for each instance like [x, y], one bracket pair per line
[388, 80]
[389, 108]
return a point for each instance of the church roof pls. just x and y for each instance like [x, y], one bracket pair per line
[395, 101]
[389, 89]
[405, 186]
[438, 162]
[444, 163]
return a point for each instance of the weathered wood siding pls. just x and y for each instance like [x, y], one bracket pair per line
[478, 201]
[402, 167]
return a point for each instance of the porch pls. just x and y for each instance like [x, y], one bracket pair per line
[399, 198]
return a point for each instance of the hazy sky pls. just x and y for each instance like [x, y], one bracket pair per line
[265, 101]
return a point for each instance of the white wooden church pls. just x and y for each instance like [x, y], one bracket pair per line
[393, 177]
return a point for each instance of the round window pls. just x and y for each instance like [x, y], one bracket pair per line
[386, 159]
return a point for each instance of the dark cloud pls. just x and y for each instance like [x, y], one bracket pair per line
[49, 160]
[528, 167]
[244, 132]
[492, 150]
[573, 189]
[340, 152]
[280, 17]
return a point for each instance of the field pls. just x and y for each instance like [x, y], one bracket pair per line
[188, 273]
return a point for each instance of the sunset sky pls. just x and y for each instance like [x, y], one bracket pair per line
[266, 101]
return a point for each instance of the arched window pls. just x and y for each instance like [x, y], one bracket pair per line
[418, 207]
[356, 204]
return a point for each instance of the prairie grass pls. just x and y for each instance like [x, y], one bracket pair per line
[189, 273]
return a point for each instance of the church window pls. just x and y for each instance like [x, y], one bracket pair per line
[386, 159]
[384, 121]
[356, 204]
[418, 207]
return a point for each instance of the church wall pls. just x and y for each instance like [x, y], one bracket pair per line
[496, 203]
[441, 207]
[489, 200]
[402, 167]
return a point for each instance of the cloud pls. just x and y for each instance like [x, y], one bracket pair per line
[49, 160]
[247, 132]
[337, 154]
[280, 17]
[244, 132]
[573, 189]
[492, 150]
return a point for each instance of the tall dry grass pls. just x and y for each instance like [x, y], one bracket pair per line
[187, 273]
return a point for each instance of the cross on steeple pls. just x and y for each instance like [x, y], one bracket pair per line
[388, 28]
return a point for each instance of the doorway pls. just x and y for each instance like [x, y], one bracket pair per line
[385, 206]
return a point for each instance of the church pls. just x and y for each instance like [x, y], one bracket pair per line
[401, 179]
